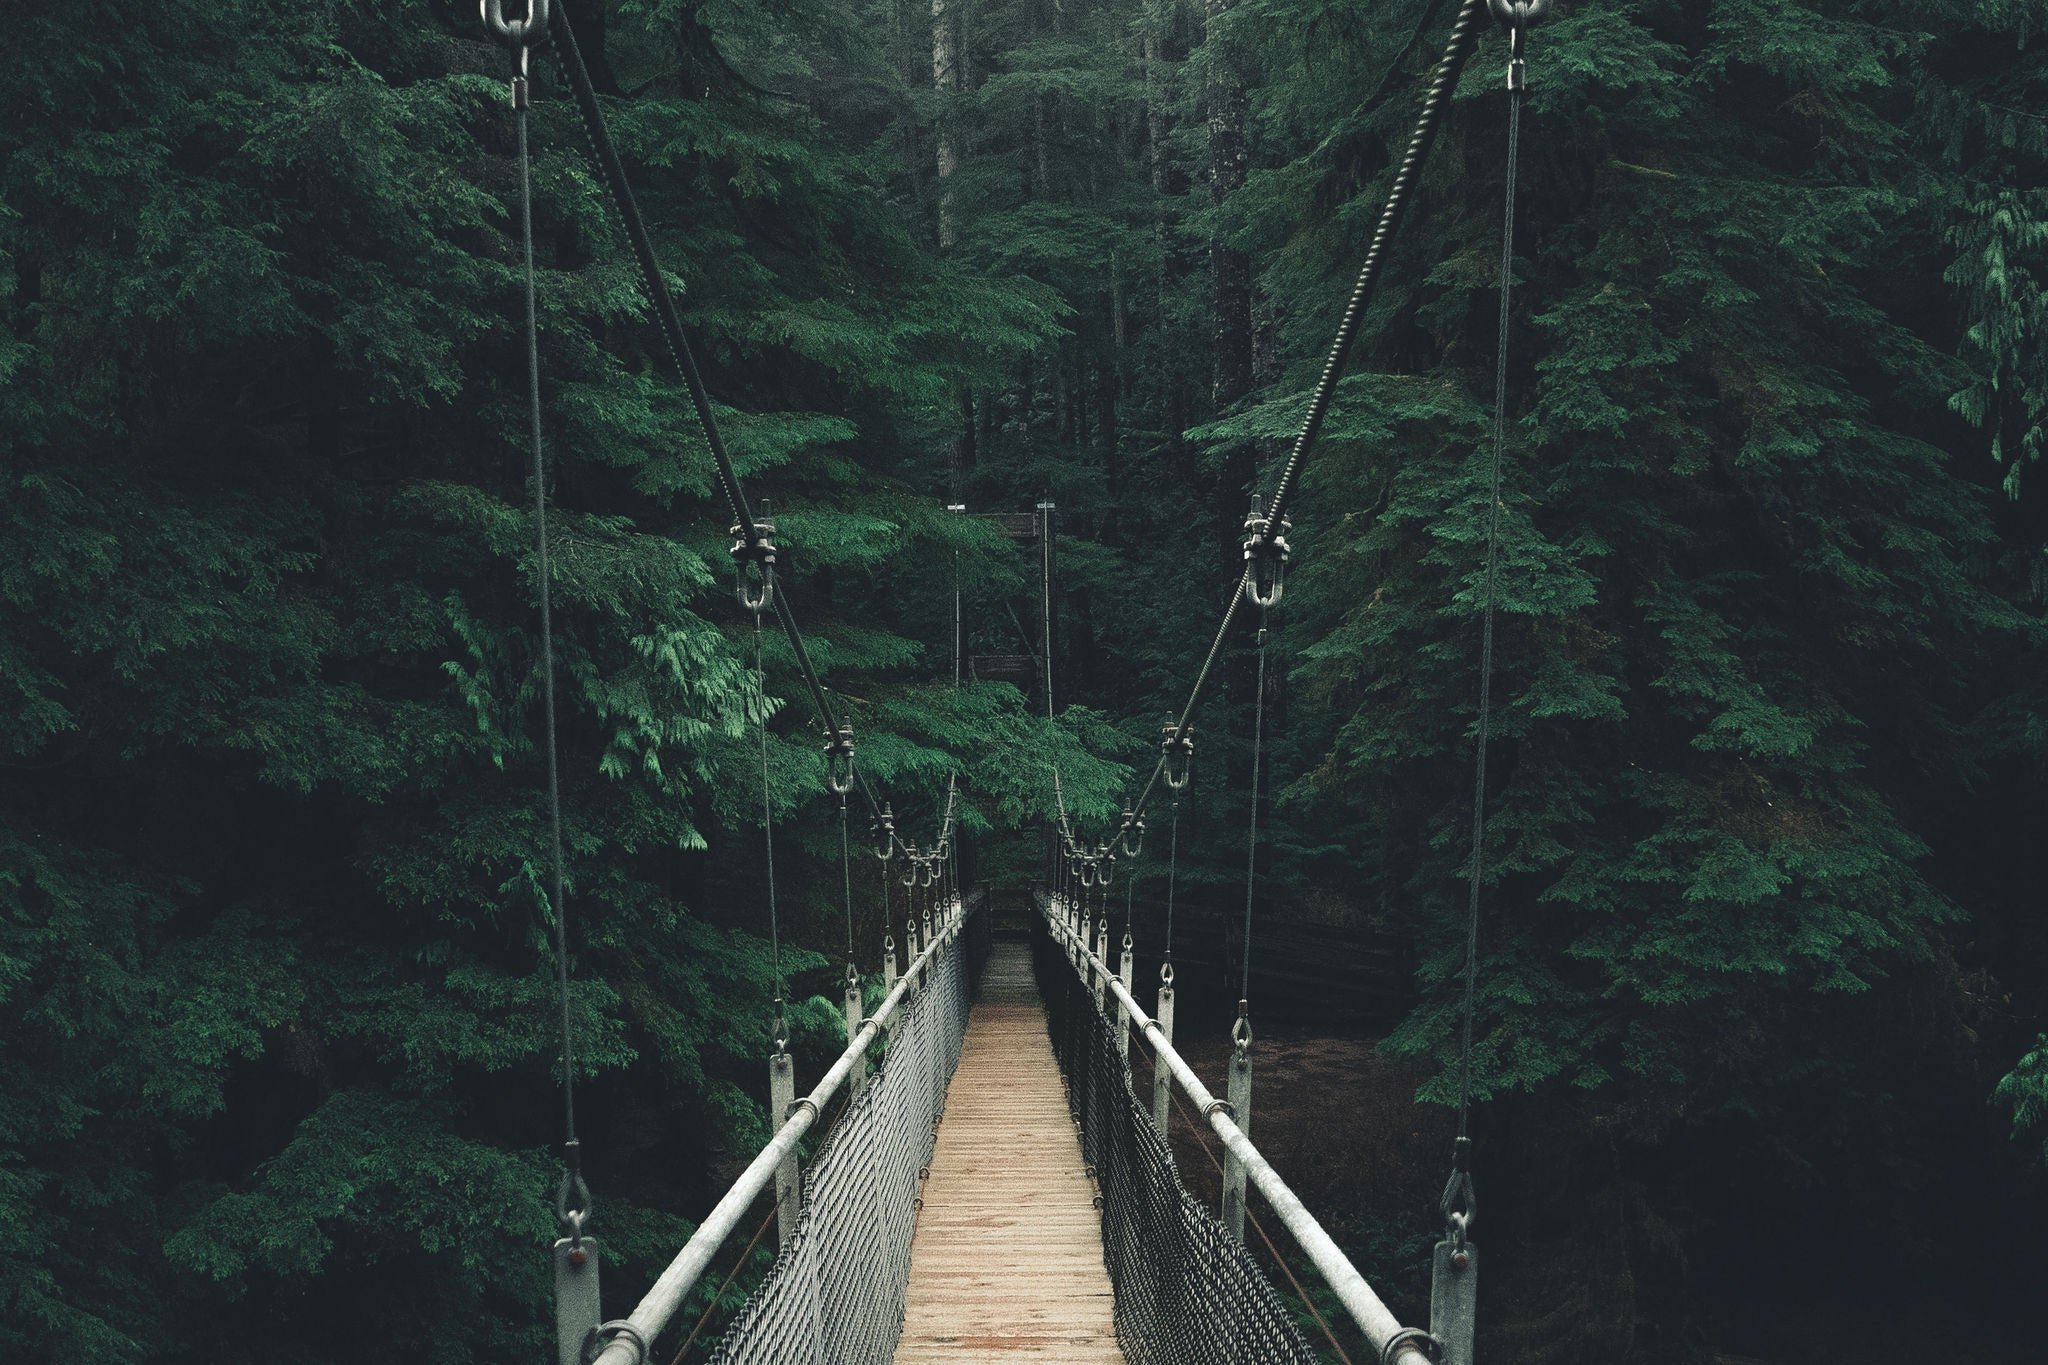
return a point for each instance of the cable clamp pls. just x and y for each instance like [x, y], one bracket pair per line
[839, 761]
[1411, 1339]
[805, 1102]
[1224, 1107]
[605, 1333]
[1176, 748]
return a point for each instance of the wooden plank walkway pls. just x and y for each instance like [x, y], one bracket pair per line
[1007, 1261]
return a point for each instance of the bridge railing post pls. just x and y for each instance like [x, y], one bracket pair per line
[1124, 969]
[788, 1190]
[1162, 1077]
[858, 1077]
[1240, 1096]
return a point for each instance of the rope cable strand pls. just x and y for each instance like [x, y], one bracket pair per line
[1489, 588]
[572, 1195]
[1458, 49]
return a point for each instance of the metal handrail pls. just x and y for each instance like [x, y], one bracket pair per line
[660, 1303]
[1372, 1316]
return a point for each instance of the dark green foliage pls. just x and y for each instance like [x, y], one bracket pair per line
[275, 983]
[277, 998]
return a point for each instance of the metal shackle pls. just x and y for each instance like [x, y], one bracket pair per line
[1131, 834]
[529, 32]
[884, 830]
[1177, 748]
[839, 761]
[1265, 558]
[758, 553]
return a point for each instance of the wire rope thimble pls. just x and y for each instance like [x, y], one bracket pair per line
[1177, 752]
[1241, 1030]
[839, 763]
[883, 827]
[572, 1196]
[754, 554]
[1460, 1204]
[1166, 970]
[779, 1030]
[1265, 559]
[521, 34]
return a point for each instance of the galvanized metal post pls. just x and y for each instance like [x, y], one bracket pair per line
[1102, 956]
[859, 1075]
[1162, 1077]
[1454, 1300]
[788, 1192]
[1240, 1096]
[577, 1312]
[1124, 968]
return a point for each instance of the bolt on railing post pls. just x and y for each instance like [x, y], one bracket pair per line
[1454, 1300]
[576, 1299]
[1124, 968]
[788, 1192]
[1162, 1078]
[1240, 1097]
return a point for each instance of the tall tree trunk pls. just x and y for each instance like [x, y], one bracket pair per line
[1230, 318]
[945, 80]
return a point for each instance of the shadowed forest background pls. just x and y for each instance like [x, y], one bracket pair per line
[1764, 973]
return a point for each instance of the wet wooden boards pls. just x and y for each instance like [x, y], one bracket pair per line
[1007, 1261]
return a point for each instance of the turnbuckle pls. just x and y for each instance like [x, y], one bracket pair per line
[1265, 559]
[755, 552]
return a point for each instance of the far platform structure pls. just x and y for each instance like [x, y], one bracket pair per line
[1007, 1261]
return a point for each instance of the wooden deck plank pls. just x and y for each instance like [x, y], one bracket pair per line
[1007, 1262]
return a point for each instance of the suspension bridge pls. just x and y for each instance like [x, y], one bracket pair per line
[996, 1185]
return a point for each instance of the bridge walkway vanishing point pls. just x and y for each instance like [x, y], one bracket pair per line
[1007, 1263]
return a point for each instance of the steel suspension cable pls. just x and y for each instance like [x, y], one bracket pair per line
[1251, 847]
[768, 836]
[572, 1196]
[1172, 867]
[1489, 590]
[1463, 37]
[1457, 49]
[681, 357]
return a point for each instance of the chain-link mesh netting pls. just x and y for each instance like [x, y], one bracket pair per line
[835, 1293]
[1187, 1292]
